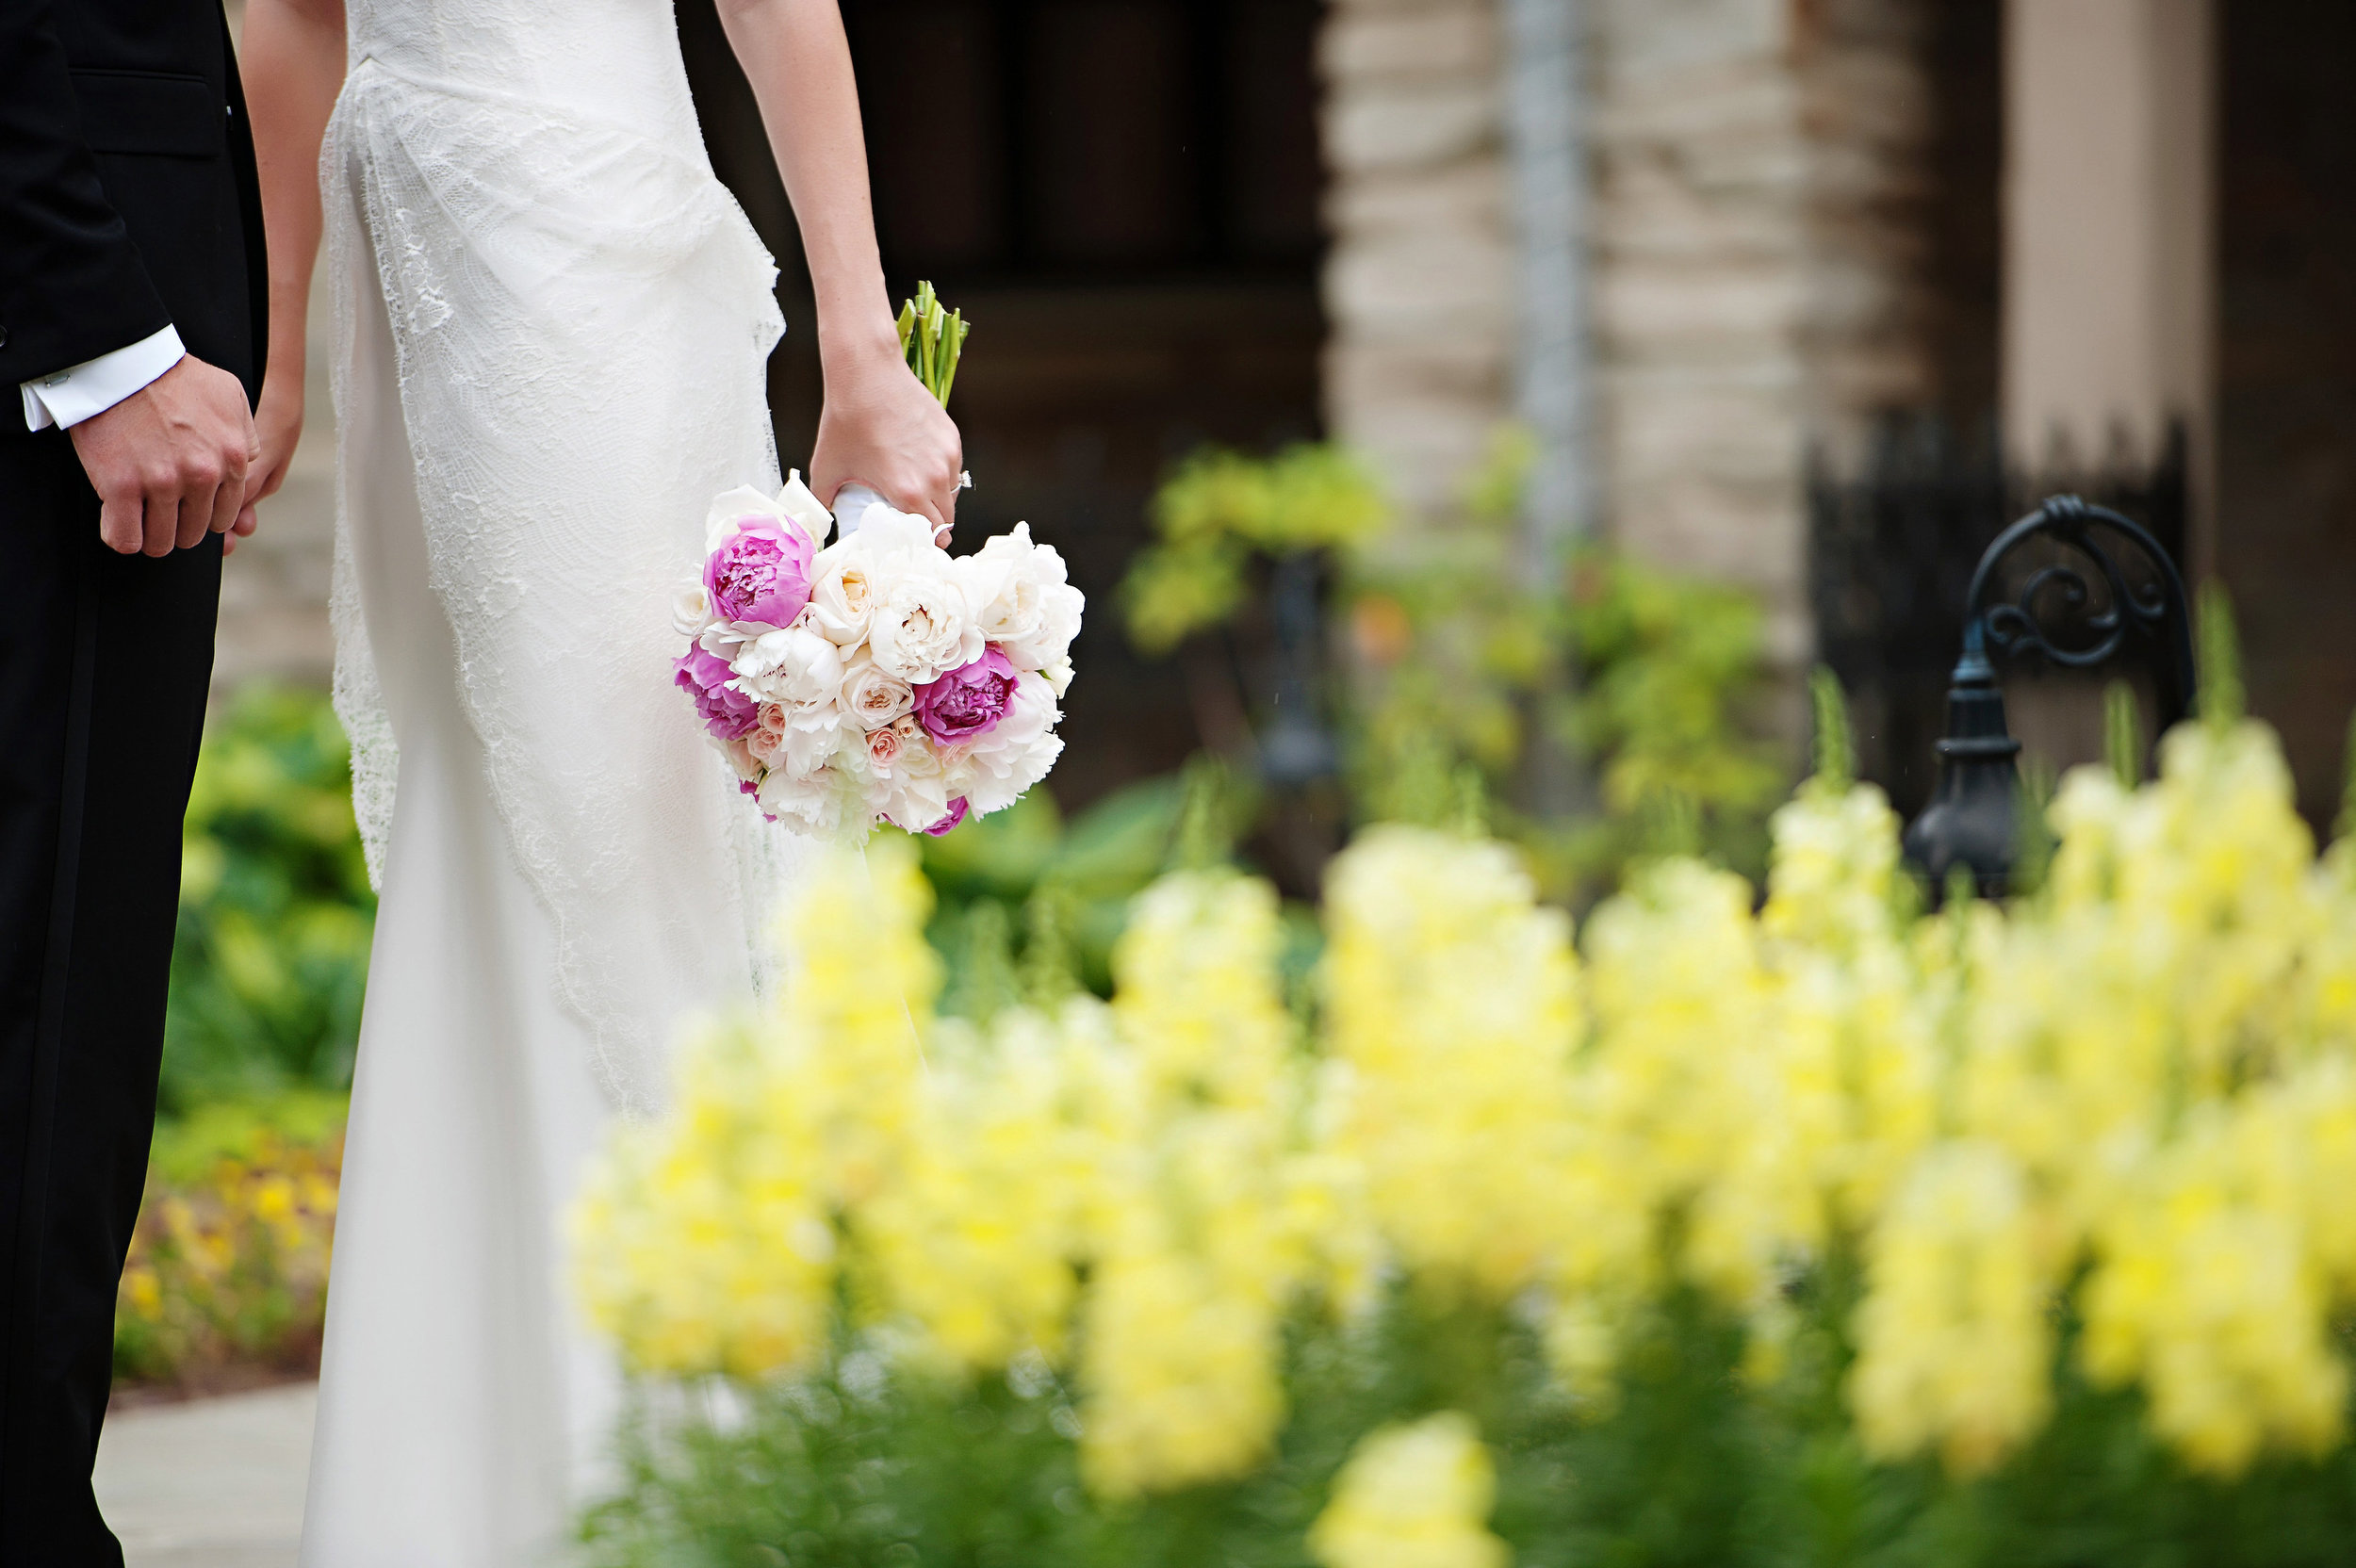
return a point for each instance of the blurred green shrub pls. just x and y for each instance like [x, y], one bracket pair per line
[1478, 684]
[1601, 705]
[1219, 509]
[1029, 905]
[275, 912]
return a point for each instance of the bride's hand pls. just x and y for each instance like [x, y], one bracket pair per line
[881, 429]
[278, 425]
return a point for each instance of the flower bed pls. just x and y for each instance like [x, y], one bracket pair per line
[227, 1279]
[1825, 1231]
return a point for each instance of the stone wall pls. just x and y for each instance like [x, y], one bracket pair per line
[1702, 292]
[1419, 283]
[1761, 273]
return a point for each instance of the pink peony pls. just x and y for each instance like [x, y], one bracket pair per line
[728, 714]
[957, 815]
[761, 574]
[968, 701]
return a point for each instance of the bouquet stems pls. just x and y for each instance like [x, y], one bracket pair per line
[932, 337]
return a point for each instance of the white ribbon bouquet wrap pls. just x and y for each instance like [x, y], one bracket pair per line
[876, 678]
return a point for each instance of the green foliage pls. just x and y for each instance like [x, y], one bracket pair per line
[188, 1147]
[1027, 902]
[2122, 734]
[1693, 1462]
[1835, 740]
[1627, 682]
[275, 913]
[2224, 700]
[1220, 510]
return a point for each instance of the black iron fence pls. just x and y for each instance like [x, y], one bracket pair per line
[1892, 544]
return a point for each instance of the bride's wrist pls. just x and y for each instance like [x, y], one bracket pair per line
[859, 353]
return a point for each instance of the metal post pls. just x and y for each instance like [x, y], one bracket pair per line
[1546, 145]
[1545, 96]
[1972, 821]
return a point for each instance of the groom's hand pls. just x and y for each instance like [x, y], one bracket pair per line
[169, 461]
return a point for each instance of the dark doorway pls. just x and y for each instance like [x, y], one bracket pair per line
[2286, 372]
[1123, 196]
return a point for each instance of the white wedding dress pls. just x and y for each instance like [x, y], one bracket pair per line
[553, 331]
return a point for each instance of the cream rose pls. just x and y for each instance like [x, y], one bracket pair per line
[871, 698]
[843, 592]
[691, 611]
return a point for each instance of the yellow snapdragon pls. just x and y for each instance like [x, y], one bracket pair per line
[1451, 1000]
[1955, 1345]
[1414, 1497]
[2142, 1077]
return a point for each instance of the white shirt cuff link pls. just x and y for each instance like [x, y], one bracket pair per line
[79, 391]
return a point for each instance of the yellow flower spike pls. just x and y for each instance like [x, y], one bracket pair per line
[2205, 1292]
[1412, 1497]
[1954, 1340]
[1451, 997]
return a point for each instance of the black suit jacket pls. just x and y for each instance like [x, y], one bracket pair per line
[127, 196]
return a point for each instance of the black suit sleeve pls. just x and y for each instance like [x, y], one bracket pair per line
[71, 284]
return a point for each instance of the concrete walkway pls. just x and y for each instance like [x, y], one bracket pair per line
[213, 1483]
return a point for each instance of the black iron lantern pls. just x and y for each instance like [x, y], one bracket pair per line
[1972, 823]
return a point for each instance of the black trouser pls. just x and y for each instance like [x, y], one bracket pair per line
[104, 661]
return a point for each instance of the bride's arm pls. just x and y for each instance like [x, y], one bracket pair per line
[292, 58]
[879, 425]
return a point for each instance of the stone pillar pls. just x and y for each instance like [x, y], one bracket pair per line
[2110, 271]
[1418, 284]
[1702, 293]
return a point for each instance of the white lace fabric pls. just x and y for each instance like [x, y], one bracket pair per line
[582, 318]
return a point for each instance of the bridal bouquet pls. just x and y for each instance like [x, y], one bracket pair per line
[878, 679]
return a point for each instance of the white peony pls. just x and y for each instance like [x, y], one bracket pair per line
[725, 640]
[809, 741]
[888, 534]
[793, 503]
[818, 805]
[1058, 676]
[994, 769]
[915, 792]
[1022, 599]
[796, 502]
[871, 698]
[796, 667]
[923, 630]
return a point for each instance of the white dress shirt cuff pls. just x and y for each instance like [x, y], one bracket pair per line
[95, 386]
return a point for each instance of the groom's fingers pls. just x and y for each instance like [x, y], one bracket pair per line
[121, 520]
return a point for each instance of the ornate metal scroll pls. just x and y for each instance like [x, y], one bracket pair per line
[2059, 598]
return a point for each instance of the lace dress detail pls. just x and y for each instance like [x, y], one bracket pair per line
[582, 318]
